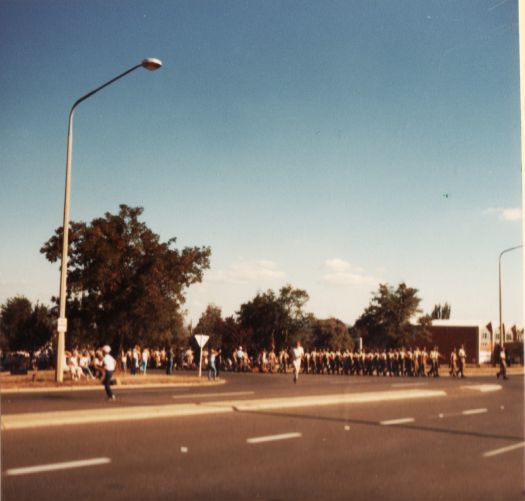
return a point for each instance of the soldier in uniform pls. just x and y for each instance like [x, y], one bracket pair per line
[433, 362]
[453, 371]
[383, 363]
[423, 363]
[402, 361]
[409, 362]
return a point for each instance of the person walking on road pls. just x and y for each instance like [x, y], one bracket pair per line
[453, 363]
[212, 368]
[462, 356]
[109, 365]
[297, 356]
[502, 364]
[239, 359]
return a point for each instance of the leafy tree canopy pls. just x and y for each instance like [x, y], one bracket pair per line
[274, 321]
[386, 321]
[332, 334]
[210, 324]
[23, 326]
[125, 286]
[441, 312]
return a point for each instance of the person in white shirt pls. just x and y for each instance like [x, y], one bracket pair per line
[83, 363]
[109, 365]
[462, 356]
[145, 359]
[297, 356]
[502, 364]
[239, 359]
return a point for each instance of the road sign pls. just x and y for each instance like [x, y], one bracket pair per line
[201, 339]
[62, 324]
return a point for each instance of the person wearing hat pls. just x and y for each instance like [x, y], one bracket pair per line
[109, 364]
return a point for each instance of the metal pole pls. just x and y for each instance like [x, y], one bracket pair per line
[521, 34]
[502, 337]
[62, 319]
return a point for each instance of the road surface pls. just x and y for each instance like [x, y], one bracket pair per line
[439, 439]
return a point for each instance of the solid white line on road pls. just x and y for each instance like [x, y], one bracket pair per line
[495, 452]
[273, 438]
[474, 411]
[28, 470]
[114, 414]
[227, 394]
[397, 421]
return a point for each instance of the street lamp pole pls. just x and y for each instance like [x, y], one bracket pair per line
[502, 337]
[150, 64]
[521, 36]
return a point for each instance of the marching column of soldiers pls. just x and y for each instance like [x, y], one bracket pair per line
[391, 362]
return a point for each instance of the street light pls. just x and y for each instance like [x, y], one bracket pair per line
[502, 337]
[150, 64]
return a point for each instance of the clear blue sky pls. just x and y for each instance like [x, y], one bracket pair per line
[332, 145]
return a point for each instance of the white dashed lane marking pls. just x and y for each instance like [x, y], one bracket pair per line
[203, 395]
[509, 448]
[28, 470]
[273, 438]
[391, 422]
[483, 388]
[474, 411]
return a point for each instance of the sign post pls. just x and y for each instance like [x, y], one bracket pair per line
[201, 341]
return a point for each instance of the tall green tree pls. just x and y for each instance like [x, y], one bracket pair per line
[210, 323]
[386, 321]
[232, 335]
[275, 321]
[125, 285]
[332, 334]
[24, 326]
[441, 312]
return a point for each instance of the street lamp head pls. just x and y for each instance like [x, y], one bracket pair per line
[152, 64]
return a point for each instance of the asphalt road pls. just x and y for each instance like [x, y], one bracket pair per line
[467, 444]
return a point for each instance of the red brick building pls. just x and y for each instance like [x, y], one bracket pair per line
[447, 335]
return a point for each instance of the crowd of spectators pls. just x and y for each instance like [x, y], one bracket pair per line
[85, 363]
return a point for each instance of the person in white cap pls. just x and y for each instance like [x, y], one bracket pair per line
[109, 364]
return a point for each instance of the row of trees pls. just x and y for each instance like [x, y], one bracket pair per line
[268, 321]
[126, 287]
[24, 326]
[274, 321]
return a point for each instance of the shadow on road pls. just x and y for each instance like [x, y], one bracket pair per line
[377, 424]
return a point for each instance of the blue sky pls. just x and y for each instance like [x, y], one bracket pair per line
[306, 142]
